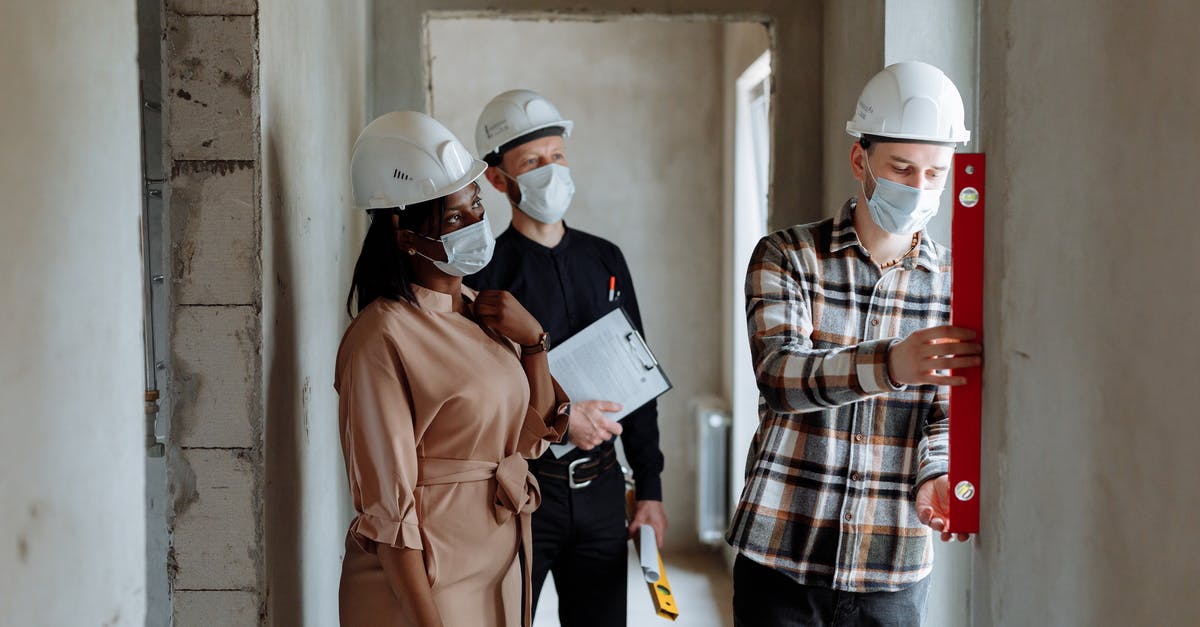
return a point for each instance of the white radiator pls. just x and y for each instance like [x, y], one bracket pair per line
[713, 424]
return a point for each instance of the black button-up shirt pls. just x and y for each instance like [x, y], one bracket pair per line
[566, 289]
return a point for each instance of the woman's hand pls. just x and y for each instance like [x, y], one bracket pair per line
[501, 312]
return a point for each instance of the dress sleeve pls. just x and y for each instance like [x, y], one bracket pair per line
[380, 446]
[541, 429]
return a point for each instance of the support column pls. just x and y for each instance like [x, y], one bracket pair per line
[215, 463]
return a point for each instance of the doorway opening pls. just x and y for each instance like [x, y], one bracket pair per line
[652, 100]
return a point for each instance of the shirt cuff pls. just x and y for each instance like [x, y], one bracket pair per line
[369, 529]
[647, 487]
[930, 470]
[871, 366]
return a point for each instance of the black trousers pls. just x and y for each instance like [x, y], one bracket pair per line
[764, 597]
[579, 536]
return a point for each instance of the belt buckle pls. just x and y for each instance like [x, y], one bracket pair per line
[571, 483]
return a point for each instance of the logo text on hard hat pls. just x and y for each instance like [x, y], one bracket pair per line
[492, 130]
[397, 174]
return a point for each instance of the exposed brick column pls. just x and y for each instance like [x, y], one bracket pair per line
[214, 214]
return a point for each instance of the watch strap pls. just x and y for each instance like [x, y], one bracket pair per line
[542, 345]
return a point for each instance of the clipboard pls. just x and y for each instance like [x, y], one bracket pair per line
[608, 361]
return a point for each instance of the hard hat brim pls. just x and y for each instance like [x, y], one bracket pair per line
[567, 126]
[477, 169]
[854, 131]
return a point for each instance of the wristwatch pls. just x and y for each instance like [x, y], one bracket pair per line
[542, 345]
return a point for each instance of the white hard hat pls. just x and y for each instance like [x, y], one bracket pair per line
[406, 157]
[910, 100]
[513, 114]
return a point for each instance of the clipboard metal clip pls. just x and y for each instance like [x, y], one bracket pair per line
[641, 350]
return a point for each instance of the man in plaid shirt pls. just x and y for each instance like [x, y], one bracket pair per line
[847, 471]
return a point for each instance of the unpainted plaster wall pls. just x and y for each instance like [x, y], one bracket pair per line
[313, 102]
[71, 456]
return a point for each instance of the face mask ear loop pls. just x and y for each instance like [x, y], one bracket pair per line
[439, 215]
[867, 169]
[512, 202]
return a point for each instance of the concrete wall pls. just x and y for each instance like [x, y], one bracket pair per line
[71, 458]
[313, 97]
[944, 33]
[853, 38]
[646, 157]
[214, 391]
[1089, 489]
[400, 77]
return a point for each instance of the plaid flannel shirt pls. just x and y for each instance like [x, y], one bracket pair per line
[832, 472]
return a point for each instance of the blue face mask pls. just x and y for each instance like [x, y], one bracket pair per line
[468, 249]
[545, 192]
[898, 208]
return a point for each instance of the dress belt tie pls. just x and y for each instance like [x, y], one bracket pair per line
[517, 494]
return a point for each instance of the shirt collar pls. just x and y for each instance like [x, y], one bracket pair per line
[845, 236]
[528, 243]
[440, 302]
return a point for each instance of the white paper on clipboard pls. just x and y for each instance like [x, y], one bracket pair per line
[607, 361]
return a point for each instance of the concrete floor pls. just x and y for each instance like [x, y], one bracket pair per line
[701, 584]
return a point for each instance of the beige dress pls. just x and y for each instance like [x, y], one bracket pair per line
[435, 421]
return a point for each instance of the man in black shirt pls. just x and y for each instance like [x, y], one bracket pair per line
[568, 279]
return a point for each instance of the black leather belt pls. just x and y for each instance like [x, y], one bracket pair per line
[578, 473]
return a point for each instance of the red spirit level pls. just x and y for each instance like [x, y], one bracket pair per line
[966, 401]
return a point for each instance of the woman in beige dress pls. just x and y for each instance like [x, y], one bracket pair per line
[443, 393]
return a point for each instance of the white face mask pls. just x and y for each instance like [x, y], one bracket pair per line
[545, 192]
[898, 208]
[468, 249]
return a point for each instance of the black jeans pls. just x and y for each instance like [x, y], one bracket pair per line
[763, 597]
[579, 536]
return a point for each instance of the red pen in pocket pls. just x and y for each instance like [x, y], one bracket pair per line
[612, 288]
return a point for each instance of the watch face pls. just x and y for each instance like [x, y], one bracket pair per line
[542, 345]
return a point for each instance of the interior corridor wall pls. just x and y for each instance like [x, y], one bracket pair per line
[71, 458]
[400, 77]
[313, 90]
[646, 159]
[744, 43]
[853, 37]
[1090, 427]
